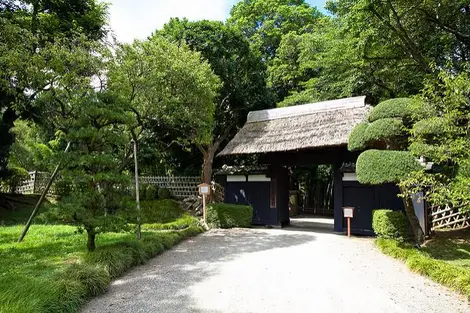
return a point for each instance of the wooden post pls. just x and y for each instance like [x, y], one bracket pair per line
[204, 209]
[349, 227]
[137, 196]
[41, 199]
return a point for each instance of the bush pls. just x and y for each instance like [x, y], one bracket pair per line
[16, 175]
[377, 167]
[393, 108]
[164, 193]
[357, 139]
[390, 224]
[143, 191]
[384, 129]
[224, 215]
[151, 193]
[429, 128]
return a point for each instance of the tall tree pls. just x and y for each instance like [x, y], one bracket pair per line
[165, 86]
[264, 22]
[382, 49]
[441, 136]
[27, 28]
[240, 69]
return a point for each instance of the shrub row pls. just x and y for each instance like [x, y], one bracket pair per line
[390, 224]
[454, 277]
[153, 192]
[224, 215]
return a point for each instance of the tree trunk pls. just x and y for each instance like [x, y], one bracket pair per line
[91, 240]
[208, 162]
[418, 233]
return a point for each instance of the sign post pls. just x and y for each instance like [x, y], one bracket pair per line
[204, 190]
[348, 212]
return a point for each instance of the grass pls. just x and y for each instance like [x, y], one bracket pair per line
[51, 271]
[445, 259]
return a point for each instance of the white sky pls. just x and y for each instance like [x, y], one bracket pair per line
[137, 19]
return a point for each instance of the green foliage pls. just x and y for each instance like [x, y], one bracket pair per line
[151, 193]
[15, 177]
[224, 215]
[448, 274]
[90, 167]
[264, 22]
[53, 258]
[242, 73]
[390, 224]
[390, 131]
[392, 108]
[161, 211]
[429, 128]
[444, 140]
[377, 167]
[157, 80]
[357, 139]
[32, 32]
[164, 193]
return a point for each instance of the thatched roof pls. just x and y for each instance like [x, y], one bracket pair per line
[314, 125]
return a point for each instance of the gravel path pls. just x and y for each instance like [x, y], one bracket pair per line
[272, 270]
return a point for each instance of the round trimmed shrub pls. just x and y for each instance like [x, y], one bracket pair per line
[390, 224]
[164, 193]
[431, 152]
[151, 193]
[357, 139]
[429, 127]
[224, 215]
[384, 129]
[393, 108]
[377, 167]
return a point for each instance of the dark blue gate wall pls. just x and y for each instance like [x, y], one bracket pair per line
[255, 194]
[365, 199]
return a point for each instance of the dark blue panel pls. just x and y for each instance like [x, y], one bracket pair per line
[255, 194]
[338, 199]
[362, 198]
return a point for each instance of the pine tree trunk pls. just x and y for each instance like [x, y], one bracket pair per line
[418, 233]
[91, 241]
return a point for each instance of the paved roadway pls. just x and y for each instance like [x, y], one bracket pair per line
[276, 270]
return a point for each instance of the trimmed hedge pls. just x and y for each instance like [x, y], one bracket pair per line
[393, 108]
[224, 215]
[164, 193]
[429, 127]
[390, 224]
[384, 129]
[357, 139]
[377, 167]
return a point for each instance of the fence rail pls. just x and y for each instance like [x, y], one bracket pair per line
[448, 217]
[180, 186]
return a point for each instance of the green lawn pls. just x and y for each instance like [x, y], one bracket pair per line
[51, 271]
[445, 259]
[452, 247]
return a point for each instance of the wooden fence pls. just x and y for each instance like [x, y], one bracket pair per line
[180, 186]
[35, 184]
[448, 217]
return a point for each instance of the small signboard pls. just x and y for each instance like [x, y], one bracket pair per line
[204, 189]
[348, 212]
